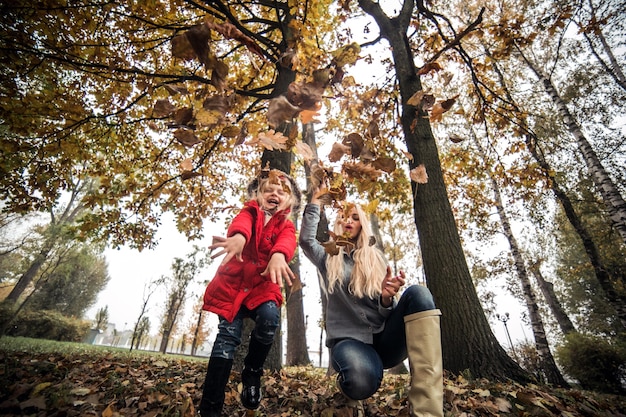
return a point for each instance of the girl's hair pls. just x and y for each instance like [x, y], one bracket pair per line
[275, 176]
[370, 265]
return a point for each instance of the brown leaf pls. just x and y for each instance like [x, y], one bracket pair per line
[416, 98]
[309, 116]
[183, 116]
[186, 165]
[304, 151]
[373, 130]
[385, 164]
[231, 131]
[198, 37]
[228, 30]
[331, 248]
[337, 152]
[163, 108]
[419, 175]
[429, 67]
[428, 100]
[356, 143]
[454, 138]
[306, 96]
[270, 140]
[361, 171]
[186, 137]
[280, 110]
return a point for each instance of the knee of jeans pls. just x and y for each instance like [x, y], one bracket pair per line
[360, 383]
[267, 322]
[420, 297]
[224, 347]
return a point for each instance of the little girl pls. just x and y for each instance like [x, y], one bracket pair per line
[260, 242]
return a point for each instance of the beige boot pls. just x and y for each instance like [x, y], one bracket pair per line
[423, 343]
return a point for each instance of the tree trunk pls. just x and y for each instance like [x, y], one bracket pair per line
[467, 339]
[548, 364]
[615, 204]
[547, 289]
[601, 272]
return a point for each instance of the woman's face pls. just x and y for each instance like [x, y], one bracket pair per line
[273, 198]
[351, 224]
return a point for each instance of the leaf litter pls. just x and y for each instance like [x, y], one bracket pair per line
[112, 385]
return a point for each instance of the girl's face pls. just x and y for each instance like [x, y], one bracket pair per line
[351, 224]
[273, 198]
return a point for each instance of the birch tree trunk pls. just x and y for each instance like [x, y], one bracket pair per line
[548, 365]
[547, 289]
[615, 204]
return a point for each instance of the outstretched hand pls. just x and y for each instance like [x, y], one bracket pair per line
[278, 269]
[231, 246]
[391, 286]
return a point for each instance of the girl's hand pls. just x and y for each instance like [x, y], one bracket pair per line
[231, 246]
[278, 269]
[391, 286]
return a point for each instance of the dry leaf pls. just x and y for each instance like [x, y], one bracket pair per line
[419, 175]
[186, 137]
[186, 165]
[309, 116]
[163, 108]
[270, 140]
[361, 171]
[429, 67]
[280, 110]
[416, 98]
[338, 151]
[304, 151]
[385, 164]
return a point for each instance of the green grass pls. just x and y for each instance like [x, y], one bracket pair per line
[39, 346]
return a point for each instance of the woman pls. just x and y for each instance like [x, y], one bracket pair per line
[368, 328]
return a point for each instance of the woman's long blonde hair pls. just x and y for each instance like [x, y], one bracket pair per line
[370, 265]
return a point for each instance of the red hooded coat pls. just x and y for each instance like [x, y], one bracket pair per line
[236, 282]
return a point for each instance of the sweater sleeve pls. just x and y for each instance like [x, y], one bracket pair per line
[312, 249]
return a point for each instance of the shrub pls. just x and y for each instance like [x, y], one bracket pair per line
[46, 324]
[596, 363]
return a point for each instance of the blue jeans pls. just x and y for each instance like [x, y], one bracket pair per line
[360, 365]
[266, 318]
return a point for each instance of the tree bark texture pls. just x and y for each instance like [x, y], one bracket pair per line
[467, 339]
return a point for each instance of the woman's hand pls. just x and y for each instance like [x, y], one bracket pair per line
[390, 287]
[231, 246]
[278, 269]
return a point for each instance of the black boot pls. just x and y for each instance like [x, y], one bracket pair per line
[252, 372]
[215, 382]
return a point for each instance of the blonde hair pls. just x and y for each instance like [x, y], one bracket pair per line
[370, 265]
[275, 176]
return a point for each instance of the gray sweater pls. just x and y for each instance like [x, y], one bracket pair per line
[347, 316]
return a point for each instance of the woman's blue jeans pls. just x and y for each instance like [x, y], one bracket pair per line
[360, 365]
[266, 318]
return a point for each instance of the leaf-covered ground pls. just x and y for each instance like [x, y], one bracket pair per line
[74, 382]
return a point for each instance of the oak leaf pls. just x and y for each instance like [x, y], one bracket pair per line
[416, 99]
[309, 116]
[346, 55]
[270, 140]
[183, 116]
[228, 30]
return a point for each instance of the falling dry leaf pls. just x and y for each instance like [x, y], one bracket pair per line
[270, 140]
[163, 108]
[415, 99]
[186, 137]
[280, 110]
[419, 175]
[304, 151]
[338, 151]
[309, 116]
[429, 67]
